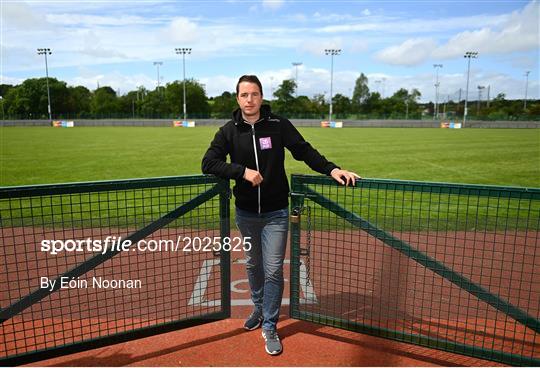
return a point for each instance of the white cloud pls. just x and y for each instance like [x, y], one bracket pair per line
[520, 61]
[357, 46]
[216, 85]
[519, 32]
[68, 19]
[182, 30]
[397, 26]
[410, 52]
[18, 15]
[93, 47]
[272, 4]
[300, 18]
[359, 27]
[317, 46]
[5, 79]
[334, 18]
[20, 56]
[366, 12]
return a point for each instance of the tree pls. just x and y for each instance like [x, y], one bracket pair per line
[151, 106]
[128, 104]
[104, 102]
[341, 104]
[284, 94]
[373, 104]
[29, 99]
[4, 88]
[59, 97]
[401, 95]
[222, 106]
[401, 102]
[16, 104]
[361, 91]
[303, 107]
[196, 100]
[415, 95]
[318, 106]
[79, 101]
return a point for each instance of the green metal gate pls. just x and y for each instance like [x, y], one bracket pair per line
[452, 267]
[56, 301]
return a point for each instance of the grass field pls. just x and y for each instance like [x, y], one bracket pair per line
[38, 155]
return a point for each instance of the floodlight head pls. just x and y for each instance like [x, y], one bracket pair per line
[183, 50]
[332, 51]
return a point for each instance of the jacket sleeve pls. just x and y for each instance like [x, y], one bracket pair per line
[215, 159]
[303, 151]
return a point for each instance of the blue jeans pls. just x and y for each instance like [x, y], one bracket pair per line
[264, 261]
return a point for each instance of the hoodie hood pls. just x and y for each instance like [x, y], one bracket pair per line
[265, 112]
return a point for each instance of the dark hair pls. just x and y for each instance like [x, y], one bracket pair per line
[250, 79]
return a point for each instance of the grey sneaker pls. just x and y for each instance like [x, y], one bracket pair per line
[272, 345]
[254, 320]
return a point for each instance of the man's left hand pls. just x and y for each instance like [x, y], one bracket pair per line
[344, 177]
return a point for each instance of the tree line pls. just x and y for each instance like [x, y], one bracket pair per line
[29, 101]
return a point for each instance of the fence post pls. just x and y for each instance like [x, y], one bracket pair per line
[225, 257]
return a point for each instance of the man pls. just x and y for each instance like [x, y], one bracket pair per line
[255, 140]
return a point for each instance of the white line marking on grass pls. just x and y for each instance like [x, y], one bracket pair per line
[202, 281]
[461, 173]
[306, 286]
[199, 289]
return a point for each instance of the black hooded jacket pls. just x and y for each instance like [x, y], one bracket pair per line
[260, 147]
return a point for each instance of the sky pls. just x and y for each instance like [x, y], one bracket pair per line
[394, 43]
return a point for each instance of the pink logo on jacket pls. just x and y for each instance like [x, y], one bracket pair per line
[265, 143]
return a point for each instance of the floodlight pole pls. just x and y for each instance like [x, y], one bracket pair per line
[406, 110]
[480, 88]
[45, 51]
[436, 109]
[331, 52]
[158, 63]
[296, 65]
[2, 101]
[468, 55]
[378, 83]
[526, 88]
[184, 51]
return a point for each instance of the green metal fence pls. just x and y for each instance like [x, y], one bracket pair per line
[91, 294]
[453, 267]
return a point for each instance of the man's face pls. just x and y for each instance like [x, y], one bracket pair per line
[249, 99]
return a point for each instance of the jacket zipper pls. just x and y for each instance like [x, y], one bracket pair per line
[257, 164]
